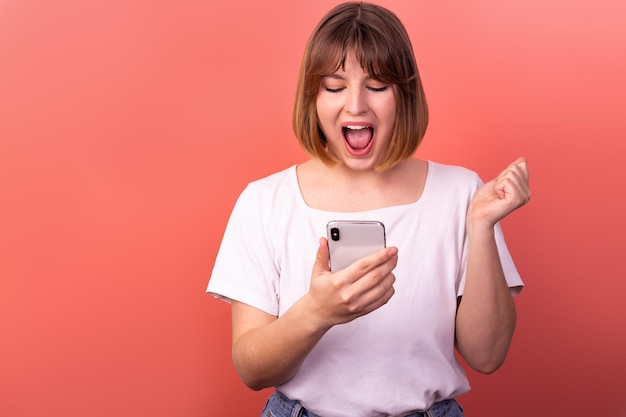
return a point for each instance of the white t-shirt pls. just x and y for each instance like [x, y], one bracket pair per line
[397, 359]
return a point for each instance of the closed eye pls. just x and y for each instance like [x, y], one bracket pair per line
[378, 89]
[334, 90]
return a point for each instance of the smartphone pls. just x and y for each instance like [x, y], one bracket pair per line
[349, 240]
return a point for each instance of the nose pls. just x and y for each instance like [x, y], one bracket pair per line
[356, 101]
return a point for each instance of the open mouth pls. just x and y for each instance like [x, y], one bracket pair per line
[358, 138]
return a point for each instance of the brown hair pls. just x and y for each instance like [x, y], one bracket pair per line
[383, 49]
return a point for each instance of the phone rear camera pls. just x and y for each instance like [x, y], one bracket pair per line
[334, 233]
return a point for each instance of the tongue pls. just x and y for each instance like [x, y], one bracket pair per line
[358, 138]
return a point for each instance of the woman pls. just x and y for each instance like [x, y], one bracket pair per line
[378, 337]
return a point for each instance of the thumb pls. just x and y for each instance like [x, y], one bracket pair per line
[321, 264]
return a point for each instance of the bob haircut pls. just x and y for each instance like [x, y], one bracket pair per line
[383, 49]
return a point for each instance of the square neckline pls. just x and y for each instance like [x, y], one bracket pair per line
[294, 182]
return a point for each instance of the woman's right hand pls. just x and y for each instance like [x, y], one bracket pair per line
[364, 286]
[268, 350]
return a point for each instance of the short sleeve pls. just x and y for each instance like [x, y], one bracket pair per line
[244, 268]
[513, 279]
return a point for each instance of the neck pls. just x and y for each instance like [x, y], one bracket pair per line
[342, 189]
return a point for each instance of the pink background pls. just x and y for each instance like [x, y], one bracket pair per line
[129, 127]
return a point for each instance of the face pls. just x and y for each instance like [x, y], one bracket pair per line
[357, 115]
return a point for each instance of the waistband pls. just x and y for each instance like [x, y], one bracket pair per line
[286, 407]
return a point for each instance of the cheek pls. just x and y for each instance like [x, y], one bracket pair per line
[322, 119]
[390, 113]
[391, 106]
[319, 108]
[324, 112]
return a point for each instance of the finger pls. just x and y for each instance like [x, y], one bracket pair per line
[368, 263]
[380, 295]
[321, 264]
[513, 180]
[518, 173]
[373, 270]
[521, 169]
[519, 166]
[513, 191]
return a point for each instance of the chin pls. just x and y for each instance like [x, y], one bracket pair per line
[362, 165]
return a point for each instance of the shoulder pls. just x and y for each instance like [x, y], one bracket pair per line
[451, 183]
[451, 172]
[277, 181]
[454, 176]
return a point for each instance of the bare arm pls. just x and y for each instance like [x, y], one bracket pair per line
[486, 313]
[268, 351]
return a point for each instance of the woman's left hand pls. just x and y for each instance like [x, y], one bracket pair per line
[500, 196]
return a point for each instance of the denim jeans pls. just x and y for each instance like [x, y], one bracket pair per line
[280, 406]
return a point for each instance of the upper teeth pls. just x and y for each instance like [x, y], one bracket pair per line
[356, 127]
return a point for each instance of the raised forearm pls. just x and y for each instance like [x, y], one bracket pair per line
[486, 314]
